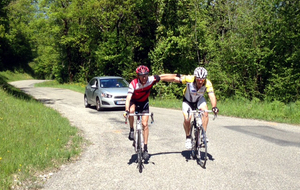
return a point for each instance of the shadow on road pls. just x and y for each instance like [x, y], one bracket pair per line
[270, 134]
[186, 154]
[48, 101]
[106, 109]
[133, 159]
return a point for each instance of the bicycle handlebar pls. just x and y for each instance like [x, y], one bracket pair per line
[140, 114]
[200, 112]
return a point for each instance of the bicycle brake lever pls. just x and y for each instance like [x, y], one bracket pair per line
[215, 116]
[152, 120]
[126, 118]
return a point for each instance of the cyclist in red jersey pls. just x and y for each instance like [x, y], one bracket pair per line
[137, 100]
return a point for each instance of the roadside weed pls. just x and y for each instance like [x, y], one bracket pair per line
[32, 138]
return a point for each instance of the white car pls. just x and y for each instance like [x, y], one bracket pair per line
[106, 92]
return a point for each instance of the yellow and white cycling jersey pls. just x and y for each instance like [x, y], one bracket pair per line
[190, 92]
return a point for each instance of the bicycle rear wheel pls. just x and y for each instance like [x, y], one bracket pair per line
[202, 148]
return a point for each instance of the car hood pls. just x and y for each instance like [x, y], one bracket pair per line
[115, 91]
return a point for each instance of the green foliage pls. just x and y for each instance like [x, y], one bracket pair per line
[180, 47]
[168, 91]
[250, 48]
[253, 58]
[16, 49]
[284, 71]
[284, 86]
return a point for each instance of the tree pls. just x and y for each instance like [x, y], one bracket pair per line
[16, 49]
[250, 48]
[283, 40]
[182, 41]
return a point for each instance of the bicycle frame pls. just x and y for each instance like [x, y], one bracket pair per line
[138, 137]
[139, 128]
[199, 137]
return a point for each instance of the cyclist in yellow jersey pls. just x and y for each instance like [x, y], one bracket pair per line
[196, 86]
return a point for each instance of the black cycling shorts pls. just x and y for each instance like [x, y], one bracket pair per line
[140, 107]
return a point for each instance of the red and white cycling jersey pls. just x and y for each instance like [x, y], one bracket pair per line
[140, 93]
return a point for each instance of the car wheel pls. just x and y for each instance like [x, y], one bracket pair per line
[86, 103]
[98, 106]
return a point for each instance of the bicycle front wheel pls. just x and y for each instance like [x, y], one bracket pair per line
[202, 148]
[139, 152]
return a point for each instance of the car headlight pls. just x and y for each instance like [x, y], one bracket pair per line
[105, 95]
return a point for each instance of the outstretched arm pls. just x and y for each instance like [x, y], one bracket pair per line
[170, 78]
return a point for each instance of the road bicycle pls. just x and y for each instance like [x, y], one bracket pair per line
[138, 137]
[199, 143]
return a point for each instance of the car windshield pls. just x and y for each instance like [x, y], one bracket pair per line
[113, 83]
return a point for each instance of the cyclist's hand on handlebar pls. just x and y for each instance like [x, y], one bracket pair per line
[215, 110]
[125, 114]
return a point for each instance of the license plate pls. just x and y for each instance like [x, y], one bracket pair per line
[120, 102]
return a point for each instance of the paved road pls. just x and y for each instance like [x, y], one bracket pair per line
[244, 154]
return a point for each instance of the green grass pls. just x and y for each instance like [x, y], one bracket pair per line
[243, 108]
[78, 87]
[33, 138]
[165, 103]
[269, 111]
[9, 76]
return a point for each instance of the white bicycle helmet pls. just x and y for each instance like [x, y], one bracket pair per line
[200, 72]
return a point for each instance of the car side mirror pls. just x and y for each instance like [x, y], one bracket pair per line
[94, 86]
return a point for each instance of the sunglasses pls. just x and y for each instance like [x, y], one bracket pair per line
[199, 79]
[143, 76]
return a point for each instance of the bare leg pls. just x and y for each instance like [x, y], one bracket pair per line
[145, 127]
[131, 118]
[187, 124]
[205, 117]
